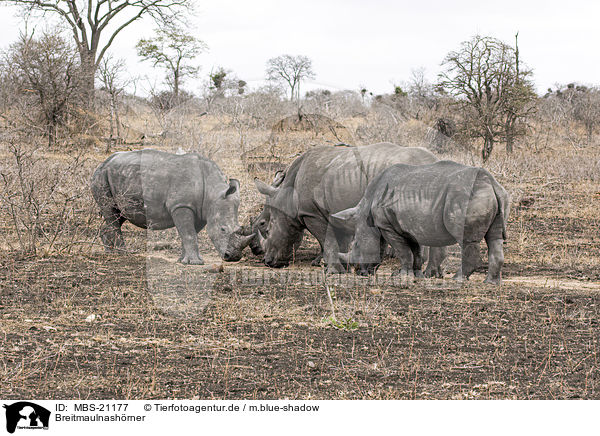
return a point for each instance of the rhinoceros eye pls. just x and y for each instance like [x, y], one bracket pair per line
[223, 229]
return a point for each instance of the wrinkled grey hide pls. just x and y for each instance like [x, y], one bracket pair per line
[439, 204]
[322, 181]
[157, 190]
[261, 222]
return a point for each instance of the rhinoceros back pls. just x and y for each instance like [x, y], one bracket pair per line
[336, 179]
[431, 202]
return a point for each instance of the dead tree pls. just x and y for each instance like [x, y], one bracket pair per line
[110, 73]
[482, 76]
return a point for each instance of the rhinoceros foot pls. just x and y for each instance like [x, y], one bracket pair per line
[191, 260]
[335, 268]
[317, 261]
[459, 277]
[113, 241]
[493, 281]
[433, 273]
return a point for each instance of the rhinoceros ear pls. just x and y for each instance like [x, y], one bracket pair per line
[234, 186]
[278, 179]
[265, 189]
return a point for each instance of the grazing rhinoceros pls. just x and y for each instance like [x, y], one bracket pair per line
[322, 181]
[261, 222]
[439, 204]
[157, 190]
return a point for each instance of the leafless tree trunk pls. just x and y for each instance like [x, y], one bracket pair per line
[510, 133]
[488, 146]
[110, 72]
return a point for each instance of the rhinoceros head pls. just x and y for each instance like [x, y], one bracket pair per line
[238, 240]
[260, 224]
[283, 230]
[367, 246]
[222, 223]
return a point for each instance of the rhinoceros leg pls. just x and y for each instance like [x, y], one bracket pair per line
[434, 264]
[408, 252]
[111, 235]
[494, 239]
[319, 228]
[435, 255]
[388, 252]
[417, 251]
[495, 261]
[335, 242]
[470, 261]
[317, 260]
[184, 220]
[316, 227]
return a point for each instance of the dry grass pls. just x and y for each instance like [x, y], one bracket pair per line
[161, 330]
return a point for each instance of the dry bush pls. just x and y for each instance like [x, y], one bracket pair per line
[337, 105]
[46, 204]
[385, 124]
[179, 128]
[575, 109]
[318, 126]
[256, 110]
[42, 86]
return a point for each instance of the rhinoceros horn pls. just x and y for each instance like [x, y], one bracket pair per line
[261, 239]
[346, 218]
[346, 214]
[244, 237]
[245, 240]
[344, 257]
[265, 189]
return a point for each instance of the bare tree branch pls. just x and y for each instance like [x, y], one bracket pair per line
[492, 90]
[291, 70]
[89, 21]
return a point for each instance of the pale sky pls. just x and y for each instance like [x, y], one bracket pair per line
[376, 43]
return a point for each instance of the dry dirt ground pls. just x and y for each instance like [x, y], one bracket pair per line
[100, 327]
[139, 325]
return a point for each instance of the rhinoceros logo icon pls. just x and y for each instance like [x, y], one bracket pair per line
[26, 415]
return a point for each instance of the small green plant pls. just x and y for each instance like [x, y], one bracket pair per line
[399, 92]
[348, 324]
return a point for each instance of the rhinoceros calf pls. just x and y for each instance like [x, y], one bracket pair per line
[437, 205]
[322, 181]
[157, 190]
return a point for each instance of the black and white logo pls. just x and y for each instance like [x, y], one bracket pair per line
[26, 415]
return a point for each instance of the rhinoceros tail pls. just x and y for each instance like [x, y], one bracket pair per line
[503, 199]
[101, 190]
